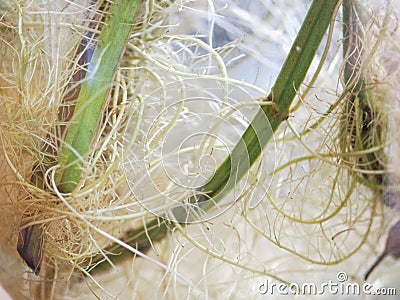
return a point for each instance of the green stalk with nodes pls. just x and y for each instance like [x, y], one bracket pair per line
[269, 117]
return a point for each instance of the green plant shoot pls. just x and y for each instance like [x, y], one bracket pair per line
[94, 91]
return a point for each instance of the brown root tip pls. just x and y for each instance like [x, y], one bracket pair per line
[380, 258]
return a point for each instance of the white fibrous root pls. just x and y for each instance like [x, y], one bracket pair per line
[192, 77]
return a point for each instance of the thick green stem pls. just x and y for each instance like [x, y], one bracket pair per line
[87, 116]
[269, 118]
[94, 91]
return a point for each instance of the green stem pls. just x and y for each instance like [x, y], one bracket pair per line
[269, 118]
[364, 124]
[87, 116]
[141, 238]
[94, 91]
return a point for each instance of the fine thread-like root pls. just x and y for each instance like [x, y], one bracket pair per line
[139, 170]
